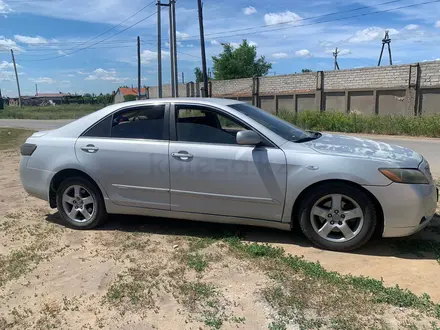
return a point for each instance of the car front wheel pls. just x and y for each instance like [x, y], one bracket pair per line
[338, 216]
[80, 203]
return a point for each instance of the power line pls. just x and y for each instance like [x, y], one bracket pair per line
[29, 1]
[114, 27]
[218, 34]
[306, 18]
[96, 43]
[293, 21]
[330, 20]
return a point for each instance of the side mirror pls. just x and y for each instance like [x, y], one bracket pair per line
[248, 138]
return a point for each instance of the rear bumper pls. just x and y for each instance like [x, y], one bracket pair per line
[36, 182]
[407, 208]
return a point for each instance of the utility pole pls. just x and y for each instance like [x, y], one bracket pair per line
[139, 66]
[202, 47]
[386, 40]
[183, 78]
[36, 89]
[176, 72]
[173, 50]
[159, 50]
[16, 78]
[335, 55]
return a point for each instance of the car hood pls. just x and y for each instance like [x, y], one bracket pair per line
[344, 145]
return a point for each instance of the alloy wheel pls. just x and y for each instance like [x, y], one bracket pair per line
[337, 218]
[78, 203]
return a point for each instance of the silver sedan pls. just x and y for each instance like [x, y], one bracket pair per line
[226, 161]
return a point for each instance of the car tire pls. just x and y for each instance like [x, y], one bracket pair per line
[354, 201]
[80, 203]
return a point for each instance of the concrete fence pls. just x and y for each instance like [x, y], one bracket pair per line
[400, 89]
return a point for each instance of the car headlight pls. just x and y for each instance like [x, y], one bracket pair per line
[404, 175]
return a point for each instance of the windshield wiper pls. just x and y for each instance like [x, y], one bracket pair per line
[314, 136]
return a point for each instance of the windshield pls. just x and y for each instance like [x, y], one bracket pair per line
[277, 125]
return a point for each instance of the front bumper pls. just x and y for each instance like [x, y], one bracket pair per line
[407, 208]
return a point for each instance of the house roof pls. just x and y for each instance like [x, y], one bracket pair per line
[131, 91]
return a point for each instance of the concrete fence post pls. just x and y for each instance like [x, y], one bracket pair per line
[413, 91]
[319, 91]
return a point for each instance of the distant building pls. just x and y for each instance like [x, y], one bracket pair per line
[124, 91]
[42, 99]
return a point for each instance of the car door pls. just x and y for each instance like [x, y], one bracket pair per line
[212, 174]
[127, 152]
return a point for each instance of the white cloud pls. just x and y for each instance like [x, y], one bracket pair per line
[148, 56]
[305, 53]
[4, 8]
[70, 75]
[7, 75]
[411, 27]
[43, 80]
[437, 24]
[60, 52]
[214, 42]
[8, 65]
[65, 82]
[30, 40]
[249, 10]
[181, 35]
[280, 55]
[341, 52]
[235, 44]
[370, 34]
[252, 43]
[7, 44]
[280, 18]
[110, 75]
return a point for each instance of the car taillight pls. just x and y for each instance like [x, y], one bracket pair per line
[28, 149]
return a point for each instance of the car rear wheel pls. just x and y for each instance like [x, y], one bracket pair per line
[338, 217]
[80, 203]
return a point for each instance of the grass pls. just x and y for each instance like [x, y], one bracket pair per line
[134, 289]
[197, 262]
[419, 246]
[357, 123]
[65, 111]
[13, 137]
[305, 293]
[17, 263]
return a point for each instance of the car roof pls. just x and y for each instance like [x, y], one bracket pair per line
[198, 100]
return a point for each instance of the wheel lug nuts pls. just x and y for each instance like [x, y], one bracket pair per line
[342, 216]
[332, 222]
[329, 215]
[340, 223]
[336, 211]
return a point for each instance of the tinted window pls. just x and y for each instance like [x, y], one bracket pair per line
[100, 129]
[282, 128]
[140, 123]
[197, 124]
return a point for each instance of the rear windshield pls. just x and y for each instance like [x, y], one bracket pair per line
[275, 124]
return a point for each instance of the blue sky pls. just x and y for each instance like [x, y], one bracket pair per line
[38, 30]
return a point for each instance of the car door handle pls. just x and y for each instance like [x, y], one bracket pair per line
[90, 148]
[182, 155]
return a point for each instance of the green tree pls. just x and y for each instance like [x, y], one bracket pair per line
[199, 75]
[239, 63]
[130, 98]
[306, 70]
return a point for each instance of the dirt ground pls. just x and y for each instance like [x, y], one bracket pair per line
[129, 273]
